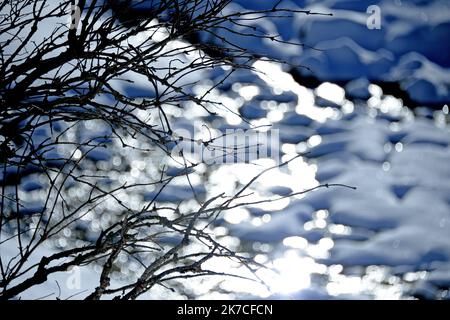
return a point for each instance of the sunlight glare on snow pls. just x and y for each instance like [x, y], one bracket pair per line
[77, 154]
[281, 81]
[301, 176]
[295, 242]
[375, 90]
[331, 92]
[344, 285]
[321, 249]
[248, 92]
[236, 216]
[341, 284]
[390, 104]
[314, 141]
[288, 274]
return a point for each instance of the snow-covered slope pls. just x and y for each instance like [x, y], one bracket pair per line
[411, 45]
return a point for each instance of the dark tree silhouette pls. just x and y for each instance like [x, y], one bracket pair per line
[59, 82]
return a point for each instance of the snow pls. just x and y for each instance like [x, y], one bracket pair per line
[396, 223]
[399, 216]
[252, 111]
[174, 193]
[76, 282]
[358, 88]
[396, 203]
[410, 47]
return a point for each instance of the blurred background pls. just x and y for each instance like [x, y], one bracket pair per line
[366, 99]
[371, 112]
